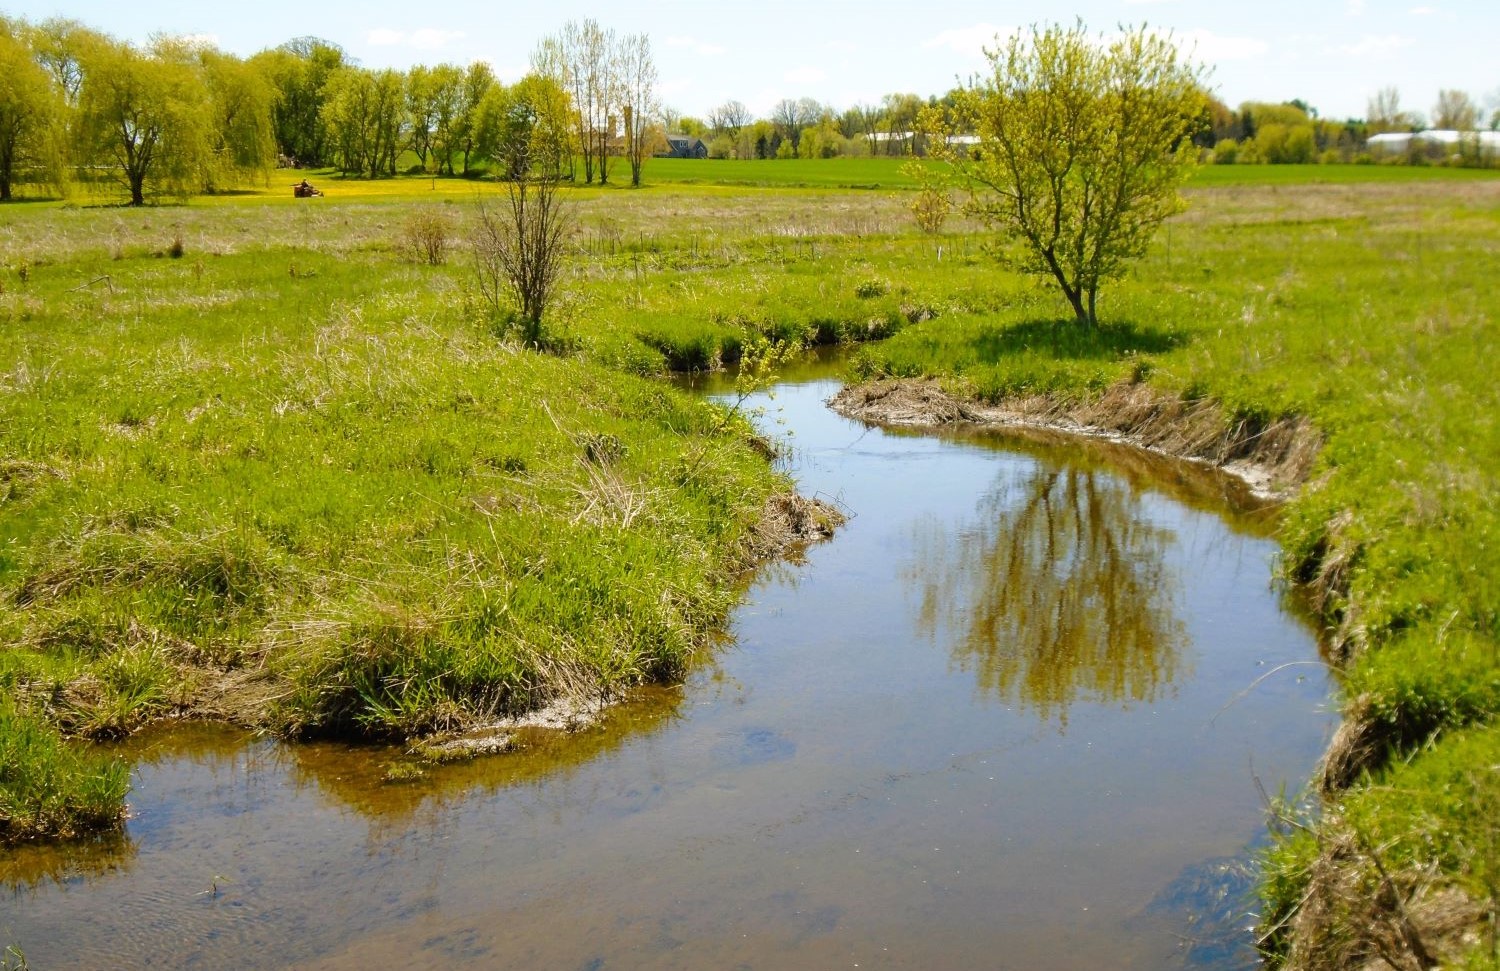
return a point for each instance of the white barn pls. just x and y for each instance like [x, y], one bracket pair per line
[1437, 142]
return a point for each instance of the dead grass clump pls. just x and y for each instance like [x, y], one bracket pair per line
[1358, 913]
[1327, 579]
[18, 477]
[789, 522]
[1359, 743]
[901, 402]
[425, 235]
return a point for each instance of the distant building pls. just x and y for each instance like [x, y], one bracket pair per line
[684, 146]
[1437, 143]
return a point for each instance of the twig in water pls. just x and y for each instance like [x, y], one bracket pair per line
[1256, 683]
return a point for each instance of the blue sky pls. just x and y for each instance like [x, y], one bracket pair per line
[1333, 54]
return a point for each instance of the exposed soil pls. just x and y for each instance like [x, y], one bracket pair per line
[1272, 459]
[561, 715]
[788, 524]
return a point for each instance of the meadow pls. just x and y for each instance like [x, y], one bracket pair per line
[895, 173]
[263, 463]
[271, 469]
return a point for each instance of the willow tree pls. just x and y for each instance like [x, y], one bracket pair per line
[30, 111]
[145, 120]
[241, 144]
[1082, 144]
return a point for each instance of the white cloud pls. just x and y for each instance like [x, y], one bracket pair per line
[430, 38]
[1356, 8]
[425, 39]
[804, 75]
[760, 103]
[1374, 46]
[1212, 48]
[702, 48]
[970, 41]
[507, 73]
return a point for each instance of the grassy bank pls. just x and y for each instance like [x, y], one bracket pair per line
[293, 478]
[1367, 309]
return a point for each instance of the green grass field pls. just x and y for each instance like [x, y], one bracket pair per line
[891, 173]
[294, 476]
[880, 173]
[838, 173]
[1336, 174]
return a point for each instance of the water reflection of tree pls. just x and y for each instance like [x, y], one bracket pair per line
[1058, 593]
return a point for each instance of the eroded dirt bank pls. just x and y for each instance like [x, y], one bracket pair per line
[1272, 459]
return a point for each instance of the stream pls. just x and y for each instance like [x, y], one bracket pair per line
[1018, 713]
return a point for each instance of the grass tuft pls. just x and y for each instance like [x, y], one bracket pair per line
[49, 787]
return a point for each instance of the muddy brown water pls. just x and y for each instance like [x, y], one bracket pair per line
[1012, 716]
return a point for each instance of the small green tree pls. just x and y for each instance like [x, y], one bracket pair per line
[532, 128]
[469, 131]
[299, 71]
[1082, 145]
[449, 107]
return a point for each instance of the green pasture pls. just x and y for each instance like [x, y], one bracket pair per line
[718, 178]
[295, 475]
[1206, 176]
[834, 173]
[294, 478]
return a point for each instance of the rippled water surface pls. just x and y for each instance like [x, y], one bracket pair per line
[1011, 716]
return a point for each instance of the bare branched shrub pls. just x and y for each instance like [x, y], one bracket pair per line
[424, 236]
[518, 252]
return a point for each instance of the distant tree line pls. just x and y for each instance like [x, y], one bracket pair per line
[1256, 132]
[807, 128]
[1293, 133]
[177, 117]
